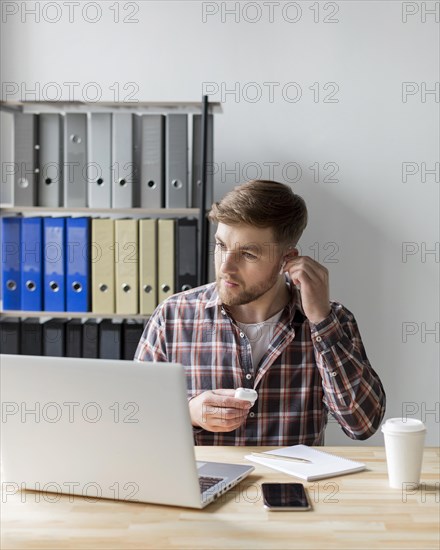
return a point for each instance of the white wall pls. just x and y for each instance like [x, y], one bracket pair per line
[369, 212]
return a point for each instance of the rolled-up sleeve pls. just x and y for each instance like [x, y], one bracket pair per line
[353, 392]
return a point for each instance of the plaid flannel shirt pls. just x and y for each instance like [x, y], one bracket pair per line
[308, 371]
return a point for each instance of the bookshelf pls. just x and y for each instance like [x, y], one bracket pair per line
[139, 107]
[69, 315]
[7, 209]
[108, 211]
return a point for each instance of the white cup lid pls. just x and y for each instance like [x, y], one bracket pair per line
[403, 425]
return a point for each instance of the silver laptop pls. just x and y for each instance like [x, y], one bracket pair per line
[104, 429]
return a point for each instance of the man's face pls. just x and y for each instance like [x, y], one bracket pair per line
[247, 263]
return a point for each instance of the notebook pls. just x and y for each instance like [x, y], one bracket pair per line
[322, 464]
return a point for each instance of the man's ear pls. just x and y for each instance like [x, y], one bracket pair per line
[290, 252]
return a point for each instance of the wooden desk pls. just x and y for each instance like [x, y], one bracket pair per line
[353, 511]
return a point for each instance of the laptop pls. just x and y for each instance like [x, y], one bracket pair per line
[104, 429]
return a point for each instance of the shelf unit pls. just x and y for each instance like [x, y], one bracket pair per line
[85, 210]
[156, 107]
[140, 107]
[69, 315]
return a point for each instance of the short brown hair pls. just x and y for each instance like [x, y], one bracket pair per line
[264, 203]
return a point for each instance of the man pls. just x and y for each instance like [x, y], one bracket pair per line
[266, 323]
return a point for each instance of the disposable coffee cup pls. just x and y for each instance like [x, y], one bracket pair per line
[404, 443]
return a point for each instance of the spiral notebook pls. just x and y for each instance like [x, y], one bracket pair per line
[321, 465]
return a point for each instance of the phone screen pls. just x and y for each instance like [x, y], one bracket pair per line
[283, 496]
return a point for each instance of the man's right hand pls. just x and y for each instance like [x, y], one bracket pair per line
[218, 411]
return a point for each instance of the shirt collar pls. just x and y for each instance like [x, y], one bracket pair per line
[214, 300]
[295, 303]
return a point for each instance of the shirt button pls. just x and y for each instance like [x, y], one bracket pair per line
[252, 414]
[248, 376]
[241, 334]
[318, 338]
[333, 374]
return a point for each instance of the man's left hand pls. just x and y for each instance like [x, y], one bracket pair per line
[312, 277]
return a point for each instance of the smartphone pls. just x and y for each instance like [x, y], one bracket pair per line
[279, 497]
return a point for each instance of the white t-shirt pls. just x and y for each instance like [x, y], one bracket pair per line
[260, 335]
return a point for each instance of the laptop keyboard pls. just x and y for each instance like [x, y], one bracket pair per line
[208, 482]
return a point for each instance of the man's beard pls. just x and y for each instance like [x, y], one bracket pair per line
[241, 297]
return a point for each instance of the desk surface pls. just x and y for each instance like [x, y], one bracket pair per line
[354, 511]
